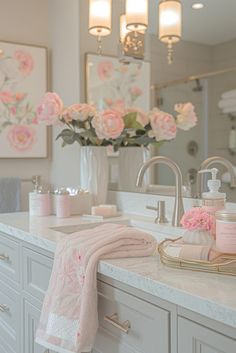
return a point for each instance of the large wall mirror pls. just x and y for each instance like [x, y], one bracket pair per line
[204, 68]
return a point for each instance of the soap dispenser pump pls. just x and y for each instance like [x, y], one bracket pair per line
[213, 200]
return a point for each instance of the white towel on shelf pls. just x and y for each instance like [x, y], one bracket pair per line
[229, 94]
[227, 103]
[226, 177]
[229, 110]
[10, 189]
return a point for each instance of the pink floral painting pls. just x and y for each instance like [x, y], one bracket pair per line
[114, 85]
[23, 81]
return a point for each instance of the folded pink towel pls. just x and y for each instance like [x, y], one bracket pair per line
[69, 318]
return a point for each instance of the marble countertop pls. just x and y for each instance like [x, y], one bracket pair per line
[207, 294]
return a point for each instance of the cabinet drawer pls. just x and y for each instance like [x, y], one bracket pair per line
[9, 318]
[9, 259]
[37, 270]
[194, 338]
[149, 324]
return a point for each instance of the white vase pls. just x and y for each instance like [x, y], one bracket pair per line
[130, 161]
[198, 237]
[94, 172]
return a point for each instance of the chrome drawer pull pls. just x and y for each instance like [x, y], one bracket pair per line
[4, 257]
[4, 308]
[113, 320]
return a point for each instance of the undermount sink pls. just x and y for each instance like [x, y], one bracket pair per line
[69, 229]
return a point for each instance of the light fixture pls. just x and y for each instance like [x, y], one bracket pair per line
[137, 15]
[100, 19]
[132, 42]
[170, 24]
[198, 6]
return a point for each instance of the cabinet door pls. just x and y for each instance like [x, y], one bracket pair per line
[31, 319]
[194, 338]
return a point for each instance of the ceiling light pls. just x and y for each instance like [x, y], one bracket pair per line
[170, 24]
[198, 6]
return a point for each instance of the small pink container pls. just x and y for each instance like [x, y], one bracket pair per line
[39, 204]
[63, 205]
[226, 231]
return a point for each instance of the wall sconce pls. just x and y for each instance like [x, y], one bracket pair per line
[100, 20]
[132, 42]
[170, 24]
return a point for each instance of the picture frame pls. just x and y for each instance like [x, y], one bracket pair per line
[112, 84]
[23, 82]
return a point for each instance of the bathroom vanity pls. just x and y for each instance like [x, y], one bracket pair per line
[144, 307]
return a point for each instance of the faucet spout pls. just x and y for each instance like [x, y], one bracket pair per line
[178, 207]
[216, 160]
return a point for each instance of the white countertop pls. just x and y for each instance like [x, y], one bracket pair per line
[207, 294]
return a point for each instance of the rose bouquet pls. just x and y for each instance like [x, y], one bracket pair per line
[118, 128]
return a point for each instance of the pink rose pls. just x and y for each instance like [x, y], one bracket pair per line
[186, 119]
[142, 117]
[19, 96]
[79, 112]
[50, 109]
[7, 97]
[108, 124]
[25, 60]
[135, 92]
[105, 70]
[21, 137]
[163, 125]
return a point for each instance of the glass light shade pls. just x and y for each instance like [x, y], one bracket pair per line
[123, 28]
[137, 15]
[100, 17]
[170, 21]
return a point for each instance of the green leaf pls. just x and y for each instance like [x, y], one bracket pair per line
[131, 122]
[68, 136]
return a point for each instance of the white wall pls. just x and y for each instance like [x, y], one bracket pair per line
[65, 61]
[25, 21]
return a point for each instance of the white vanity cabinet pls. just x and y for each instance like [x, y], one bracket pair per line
[130, 320]
[195, 338]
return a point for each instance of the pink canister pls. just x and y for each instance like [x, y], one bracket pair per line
[63, 204]
[226, 231]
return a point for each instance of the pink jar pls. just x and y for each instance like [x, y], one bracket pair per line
[226, 231]
[63, 204]
[39, 204]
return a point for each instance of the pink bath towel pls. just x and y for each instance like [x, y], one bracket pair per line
[69, 318]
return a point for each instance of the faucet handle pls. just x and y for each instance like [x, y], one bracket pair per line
[161, 217]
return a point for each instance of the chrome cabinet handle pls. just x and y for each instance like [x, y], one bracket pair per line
[113, 320]
[4, 308]
[4, 257]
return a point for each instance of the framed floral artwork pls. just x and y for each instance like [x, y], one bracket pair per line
[112, 84]
[23, 81]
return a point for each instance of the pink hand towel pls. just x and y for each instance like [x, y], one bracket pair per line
[69, 318]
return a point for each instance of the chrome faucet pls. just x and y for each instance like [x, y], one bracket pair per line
[216, 160]
[178, 207]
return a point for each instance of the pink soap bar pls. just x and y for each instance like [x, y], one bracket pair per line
[104, 210]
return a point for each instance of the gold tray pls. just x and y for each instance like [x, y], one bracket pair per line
[224, 264]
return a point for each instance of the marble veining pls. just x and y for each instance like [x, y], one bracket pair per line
[208, 294]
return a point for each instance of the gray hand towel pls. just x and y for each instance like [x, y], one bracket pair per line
[10, 190]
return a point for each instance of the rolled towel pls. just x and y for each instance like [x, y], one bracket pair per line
[229, 94]
[229, 110]
[227, 103]
[191, 252]
[226, 177]
[69, 317]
